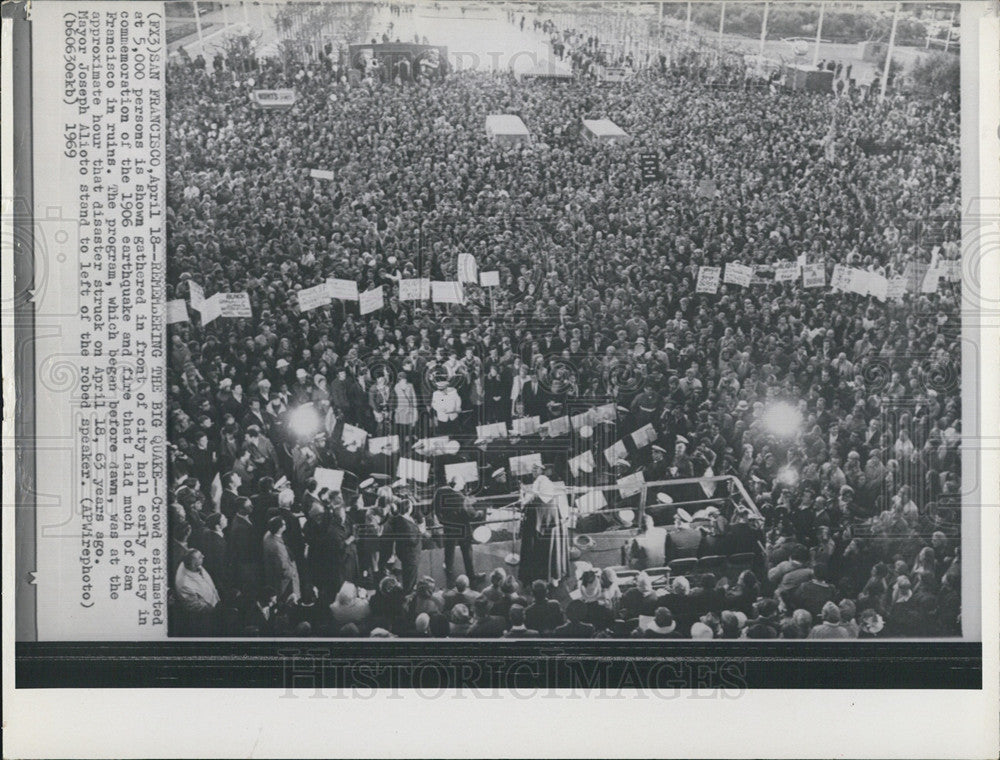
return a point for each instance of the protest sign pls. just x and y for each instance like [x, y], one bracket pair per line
[416, 289]
[708, 280]
[707, 188]
[314, 297]
[468, 271]
[931, 280]
[342, 290]
[915, 273]
[878, 285]
[738, 274]
[321, 174]
[327, 478]
[388, 444]
[176, 311]
[897, 288]
[371, 300]
[211, 309]
[841, 279]
[447, 292]
[523, 465]
[197, 294]
[234, 305]
[858, 282]
[631, 484]
[489, 279]
[413, 469]
[813, 275]
[284, 98]
[467, 471]
[786, 271]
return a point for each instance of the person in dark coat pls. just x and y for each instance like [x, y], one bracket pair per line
[456, 518]
[406, 540]
[243, 549]
[574, 627]
[211, 542]
[485, 624]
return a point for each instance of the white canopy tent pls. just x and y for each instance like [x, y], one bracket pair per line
[506, 128]
[604, 130]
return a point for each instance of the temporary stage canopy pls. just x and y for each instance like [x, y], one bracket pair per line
[604, 130]
[506, 128]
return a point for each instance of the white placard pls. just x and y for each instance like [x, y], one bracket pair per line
[354, 436]
[314, 297]
[615, 451]
[342, 290]
[814, 275]
[468, 270]
[738, 274]
[210, 310]
[859, 281]
[234, 305]
[525, 425]
[644, 436]
[489, 279]
[388, 444]
[582, 463]
[931, 280]
[327, 478]
[489, 432]
[197, 294]
[371, 300]
[786, 271]
[415, 289]
[176, 311]
[447, 292]
[631, 484]
[841, 279]
[708, 280]
[878, 285]
[590, 502]
[897, 288]
[321, 174]
[413, 469]
[523, 465]
[467, 471]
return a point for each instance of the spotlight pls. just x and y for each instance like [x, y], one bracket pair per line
[304, 422]
[782, 419]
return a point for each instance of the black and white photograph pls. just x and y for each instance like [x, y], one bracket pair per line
[566, 320]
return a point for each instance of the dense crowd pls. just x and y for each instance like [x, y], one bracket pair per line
[596, 306]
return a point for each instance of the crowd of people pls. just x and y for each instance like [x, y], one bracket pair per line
[839, 413]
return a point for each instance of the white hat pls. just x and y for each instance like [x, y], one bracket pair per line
[683, 514]
[586, 431]
[367, 483]
[664, 498]
[281, 363]
[226, 383]
[498, 473]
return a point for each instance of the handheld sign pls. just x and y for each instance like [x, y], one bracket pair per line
[447, 292]
[468, 270]
[371, 300]
[738, 274]
[841, 279]
[234, 305]
[321, 174]
[896, 289]
[273, 98]
[176, 311]
[813, 275]
[708, 280]
[210, 309]
[415, 289]
[354, 437]
[342, 290]
[644, 436]
[197, 294]
[489, 279]
[314, 297]
[878, 285]
[786, 271]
